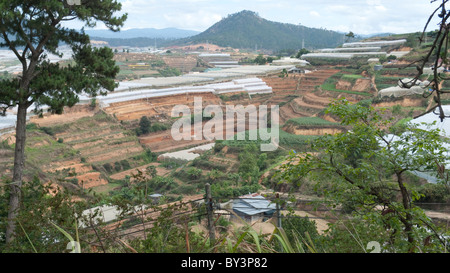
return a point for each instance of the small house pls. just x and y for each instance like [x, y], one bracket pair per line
[253, 207]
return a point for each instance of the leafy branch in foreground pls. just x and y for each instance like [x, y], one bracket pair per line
[438, 56]
[366, 168]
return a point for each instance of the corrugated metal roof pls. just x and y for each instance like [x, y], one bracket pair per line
[253, 204]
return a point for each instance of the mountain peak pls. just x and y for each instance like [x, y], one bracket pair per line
[246, 29]
[248, 13]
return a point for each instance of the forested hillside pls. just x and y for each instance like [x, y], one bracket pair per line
[248, 30]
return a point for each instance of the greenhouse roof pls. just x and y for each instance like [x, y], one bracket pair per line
[375, 43]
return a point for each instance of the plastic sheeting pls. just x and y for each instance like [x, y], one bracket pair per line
[350, 49]
[375, 43]
[186, 155]
[8, 122]
[342, 55]
[429, 118]
[399, 91]
[249, 85]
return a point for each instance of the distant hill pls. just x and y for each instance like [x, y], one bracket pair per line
[247, 29]
[166, 33]
[134, 42]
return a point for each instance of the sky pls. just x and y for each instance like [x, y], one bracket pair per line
[359, 16]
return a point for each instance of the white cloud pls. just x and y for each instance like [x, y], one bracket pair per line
[314, 13]
[362, 17]
[199, 20]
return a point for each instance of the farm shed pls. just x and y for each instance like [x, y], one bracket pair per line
[252, 207]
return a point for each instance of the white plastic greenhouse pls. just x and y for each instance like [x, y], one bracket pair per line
[240, 79]
[375, 43]
[342, 55]
[400, 91]
[186, 155]
[429, 118]
[350, 49]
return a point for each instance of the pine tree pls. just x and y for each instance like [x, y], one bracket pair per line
[32, 29]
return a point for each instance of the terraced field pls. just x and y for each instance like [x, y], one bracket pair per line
[308, 101]
[100, 139]
[90, 146]
[312, 126]
[91, 141]
[134, 110]
[283, 86]
[183, 63]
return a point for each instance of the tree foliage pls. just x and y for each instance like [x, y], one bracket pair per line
[364, 170]
[32, 30]
[144, 125]
[437, 57]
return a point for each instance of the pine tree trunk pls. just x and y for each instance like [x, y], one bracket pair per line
[19, 163]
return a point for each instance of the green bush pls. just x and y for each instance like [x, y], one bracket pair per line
[218, 146]
[434, 193]
[156, 127]
[185, 189]
[108, 168]
[144, 126]
[194, 173]
[397, 109]
[117, 166]
[208, 165]
[125, 164]
[32, 126]
[48, 130]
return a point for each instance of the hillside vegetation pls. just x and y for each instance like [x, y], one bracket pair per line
[246, 30]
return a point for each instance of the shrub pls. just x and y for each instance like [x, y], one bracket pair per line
[218, 146]
[397, 109]
[125, 164]
[144, 125]
[48, 130]
[194, 173]
[117, 166]
[108, 168]
[31, 126]
[434, 193]
[185, 189]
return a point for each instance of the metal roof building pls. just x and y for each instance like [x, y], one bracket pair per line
[253, 207]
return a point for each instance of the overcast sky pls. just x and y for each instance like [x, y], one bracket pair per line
[359, 16]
